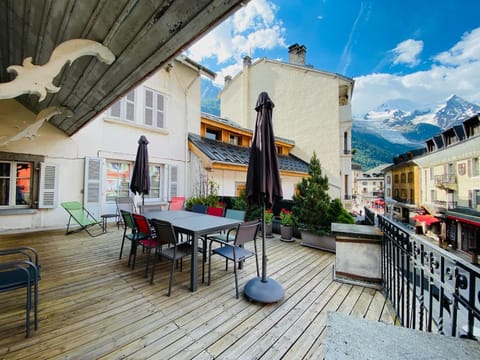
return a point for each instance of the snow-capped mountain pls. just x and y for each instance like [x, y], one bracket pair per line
[404, 122]
[400, 125]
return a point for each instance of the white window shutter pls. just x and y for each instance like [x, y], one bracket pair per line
[172, 181]
[48, 194]
[92, 194]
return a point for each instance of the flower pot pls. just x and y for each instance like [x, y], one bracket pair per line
[322, 242]
[286, 233]
[268, 230]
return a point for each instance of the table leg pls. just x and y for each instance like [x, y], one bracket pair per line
[193, 271]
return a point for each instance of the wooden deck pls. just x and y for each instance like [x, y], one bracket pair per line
[92, 306]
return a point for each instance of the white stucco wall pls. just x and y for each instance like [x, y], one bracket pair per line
[306, 110]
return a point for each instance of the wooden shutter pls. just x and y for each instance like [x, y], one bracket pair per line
[93, 186]
[48, 194]
[172, 181]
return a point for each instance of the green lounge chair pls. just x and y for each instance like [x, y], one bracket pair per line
[83, 218]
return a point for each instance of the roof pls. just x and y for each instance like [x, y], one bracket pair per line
[220, 152]
[469, 148]
[235, 125]
[142, 35]
[467, 215]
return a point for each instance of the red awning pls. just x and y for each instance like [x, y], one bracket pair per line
[427, 219]
[466, 221]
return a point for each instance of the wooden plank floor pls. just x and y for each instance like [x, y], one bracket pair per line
[92, 306]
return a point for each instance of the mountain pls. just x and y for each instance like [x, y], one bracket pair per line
[399, 125]
[210, 102]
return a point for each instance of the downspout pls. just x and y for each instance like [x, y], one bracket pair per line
[186, 133]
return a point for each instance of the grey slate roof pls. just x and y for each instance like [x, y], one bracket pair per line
[221, 152]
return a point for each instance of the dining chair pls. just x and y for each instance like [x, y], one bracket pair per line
[175, 250]
[134, 236]
[20, 269]
[124, 203]
[150, 240]
[236, 252]
[216, 211]
[176, 203]
[199, 208]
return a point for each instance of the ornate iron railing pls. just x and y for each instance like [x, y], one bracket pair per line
[430, 288]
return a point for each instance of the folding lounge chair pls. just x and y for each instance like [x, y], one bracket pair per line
[83, 218]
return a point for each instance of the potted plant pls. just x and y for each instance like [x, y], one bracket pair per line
[268, 222]
[286, 227]
[314, 209]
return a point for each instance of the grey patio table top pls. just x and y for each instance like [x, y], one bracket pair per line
[196, 225]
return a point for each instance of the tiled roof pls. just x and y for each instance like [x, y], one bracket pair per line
[218, 151]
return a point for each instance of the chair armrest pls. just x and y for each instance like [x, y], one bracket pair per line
[28, 252]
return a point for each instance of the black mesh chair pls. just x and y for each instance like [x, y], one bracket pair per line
[236, 252]
[175, 250]
[19, 268]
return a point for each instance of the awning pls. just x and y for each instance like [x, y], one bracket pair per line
[427, 219]
[464, 215]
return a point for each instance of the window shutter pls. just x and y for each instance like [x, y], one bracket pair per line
[93, 186]
[48, 194]
[172, 181]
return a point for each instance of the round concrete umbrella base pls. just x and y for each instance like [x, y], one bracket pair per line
[264, 291]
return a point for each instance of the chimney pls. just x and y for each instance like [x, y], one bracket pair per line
[297, 54]
[247, 61]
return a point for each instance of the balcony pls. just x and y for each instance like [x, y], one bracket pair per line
[91, 305]
[445, 181]
[445, 205]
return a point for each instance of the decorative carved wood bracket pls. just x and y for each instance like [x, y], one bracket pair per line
[38, 79]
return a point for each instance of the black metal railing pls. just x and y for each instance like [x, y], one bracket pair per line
[430, 288]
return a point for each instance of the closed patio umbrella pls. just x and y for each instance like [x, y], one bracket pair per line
[263, 188]
[140, 183]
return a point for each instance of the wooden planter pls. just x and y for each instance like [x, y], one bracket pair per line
[322, 242]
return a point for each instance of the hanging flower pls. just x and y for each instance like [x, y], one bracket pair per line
[287, 217]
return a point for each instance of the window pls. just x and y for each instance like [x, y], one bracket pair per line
[410, 177]
[118, 176]
[475, 167]
[212, 134]
[125, 107]
[154, 109]
[389, 179]
[403, 178]
[156, 182]
[234, 140]
[15, 184]
[395, 179]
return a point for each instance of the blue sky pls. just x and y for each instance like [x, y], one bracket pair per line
[421, 50]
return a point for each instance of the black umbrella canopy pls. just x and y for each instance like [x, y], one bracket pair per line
[140, 183]
[263, 188]
[263, 177]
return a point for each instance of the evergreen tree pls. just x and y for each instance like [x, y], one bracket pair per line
[313, 208]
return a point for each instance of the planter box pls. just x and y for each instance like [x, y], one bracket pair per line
[322, 242]
[358, 257]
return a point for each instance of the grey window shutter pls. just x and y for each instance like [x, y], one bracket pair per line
[92, 194]
[48, 194]
[172, 181]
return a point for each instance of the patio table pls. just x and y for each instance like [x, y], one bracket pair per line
[196, 225]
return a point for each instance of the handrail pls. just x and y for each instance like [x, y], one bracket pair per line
[430, 288]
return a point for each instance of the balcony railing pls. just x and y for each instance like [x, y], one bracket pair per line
[429, 288]
[447, 205]
[445, 179]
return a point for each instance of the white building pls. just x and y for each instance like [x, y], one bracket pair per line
[312, 107]
[94, 165]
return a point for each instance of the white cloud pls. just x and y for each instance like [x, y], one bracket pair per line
[407, 52]
[252, 27]
[455, 72]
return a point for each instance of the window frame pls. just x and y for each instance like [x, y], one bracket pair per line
[155, 109]
[123, 103]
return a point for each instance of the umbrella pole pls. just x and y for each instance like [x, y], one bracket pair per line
[263, 289]
[264, 256]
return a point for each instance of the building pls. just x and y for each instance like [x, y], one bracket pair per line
[94, 165]
[450, 182]
[222, 151]
[368, 187]
[312, 107]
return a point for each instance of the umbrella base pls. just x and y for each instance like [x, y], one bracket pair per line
[268, 291]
